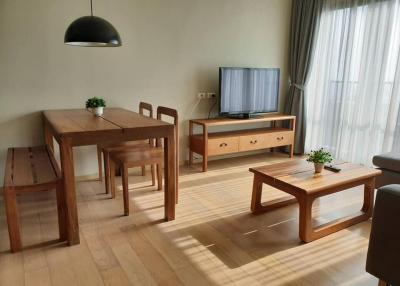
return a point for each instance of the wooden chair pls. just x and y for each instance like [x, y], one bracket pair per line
[143, 155]
[106, 149]
[31, 169]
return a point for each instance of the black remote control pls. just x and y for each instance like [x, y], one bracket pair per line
[333, 169]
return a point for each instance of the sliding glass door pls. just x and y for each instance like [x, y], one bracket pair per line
[353, 94]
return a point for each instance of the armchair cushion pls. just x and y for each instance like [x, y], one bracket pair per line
[388, 161]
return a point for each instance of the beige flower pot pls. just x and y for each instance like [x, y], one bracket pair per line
[318, 167]
[98, 111]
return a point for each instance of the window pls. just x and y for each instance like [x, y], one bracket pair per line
[353, 94]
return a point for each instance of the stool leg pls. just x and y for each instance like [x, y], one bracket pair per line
[125, 189]
[112, 178]
[153, 175]
[12, 220]
[159, 176]
[143, 170]
[107, 172]
[61, 209]
[99, 163]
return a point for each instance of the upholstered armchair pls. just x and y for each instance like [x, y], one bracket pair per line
[383, 259]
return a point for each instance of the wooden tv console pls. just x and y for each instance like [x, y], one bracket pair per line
[228, 142]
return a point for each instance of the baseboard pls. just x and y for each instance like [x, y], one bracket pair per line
[234, 155]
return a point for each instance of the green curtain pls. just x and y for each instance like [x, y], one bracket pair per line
[304, 29]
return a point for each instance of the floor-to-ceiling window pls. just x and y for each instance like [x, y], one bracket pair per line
[353, 94]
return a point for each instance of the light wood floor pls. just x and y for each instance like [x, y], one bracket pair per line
[214, 240]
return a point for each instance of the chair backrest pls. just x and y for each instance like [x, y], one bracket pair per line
[146, 106]
[161, 110]
[166, 111]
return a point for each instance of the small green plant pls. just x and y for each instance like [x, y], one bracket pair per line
[319, 156]
[95, 102]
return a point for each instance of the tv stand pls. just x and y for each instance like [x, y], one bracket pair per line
[229, 142]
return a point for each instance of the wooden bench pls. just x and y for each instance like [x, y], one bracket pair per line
[31, 169]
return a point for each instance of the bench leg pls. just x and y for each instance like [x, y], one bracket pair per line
[12, 220]
[62, 214]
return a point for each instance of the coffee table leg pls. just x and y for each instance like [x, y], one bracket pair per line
[305, 224]
[368, 205]
[258, 207]
[256, 195]
[309, 233]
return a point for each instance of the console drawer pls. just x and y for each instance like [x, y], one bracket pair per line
[219, 146]
[252, 142]
[279, 139]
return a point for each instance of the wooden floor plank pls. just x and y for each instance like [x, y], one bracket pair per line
[215, 240]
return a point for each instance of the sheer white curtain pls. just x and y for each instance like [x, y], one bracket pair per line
[353, 94]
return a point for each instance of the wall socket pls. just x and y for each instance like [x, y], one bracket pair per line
[201, 95]
[206, 95]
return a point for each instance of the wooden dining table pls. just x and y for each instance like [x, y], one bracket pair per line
[80, 127]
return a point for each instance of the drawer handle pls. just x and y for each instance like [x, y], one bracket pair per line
[253, 142]
[223, 145]
[279, 138]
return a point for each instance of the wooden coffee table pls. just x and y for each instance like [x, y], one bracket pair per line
[297, 178]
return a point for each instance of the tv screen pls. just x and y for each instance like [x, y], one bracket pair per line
[248, 90]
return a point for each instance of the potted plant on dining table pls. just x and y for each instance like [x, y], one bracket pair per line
[96, 105]
[319, 157]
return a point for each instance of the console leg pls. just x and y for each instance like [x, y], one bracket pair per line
[205, 154]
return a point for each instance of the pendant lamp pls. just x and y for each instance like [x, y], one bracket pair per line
[92, 31]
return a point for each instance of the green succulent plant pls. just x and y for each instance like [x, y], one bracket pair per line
[95, 102]
[319, 156]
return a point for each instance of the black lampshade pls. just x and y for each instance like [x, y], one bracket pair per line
[92, 31]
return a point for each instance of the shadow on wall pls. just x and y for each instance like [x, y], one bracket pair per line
[20, 131]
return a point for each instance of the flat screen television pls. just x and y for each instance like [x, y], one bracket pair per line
[247, 91]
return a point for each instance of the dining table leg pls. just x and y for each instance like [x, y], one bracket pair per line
[67, 169]
[170, 175]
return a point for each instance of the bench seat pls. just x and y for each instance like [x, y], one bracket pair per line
[31, 169]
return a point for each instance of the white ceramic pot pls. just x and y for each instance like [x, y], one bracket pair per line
[318, 167]
[98, 111]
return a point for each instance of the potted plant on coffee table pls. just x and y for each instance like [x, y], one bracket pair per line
[319, 157]
[96, 105]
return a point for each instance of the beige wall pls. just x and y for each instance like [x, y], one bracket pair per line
[171, 50]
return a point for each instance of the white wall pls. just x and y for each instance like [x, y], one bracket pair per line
[171, 50]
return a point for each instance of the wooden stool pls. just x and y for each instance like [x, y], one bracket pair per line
[144, 155]
[106, 149]
[31, 169]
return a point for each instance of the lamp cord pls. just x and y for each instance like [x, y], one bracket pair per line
[91, 8]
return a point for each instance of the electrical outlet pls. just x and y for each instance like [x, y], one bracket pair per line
[201, 95]
[211, 95]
